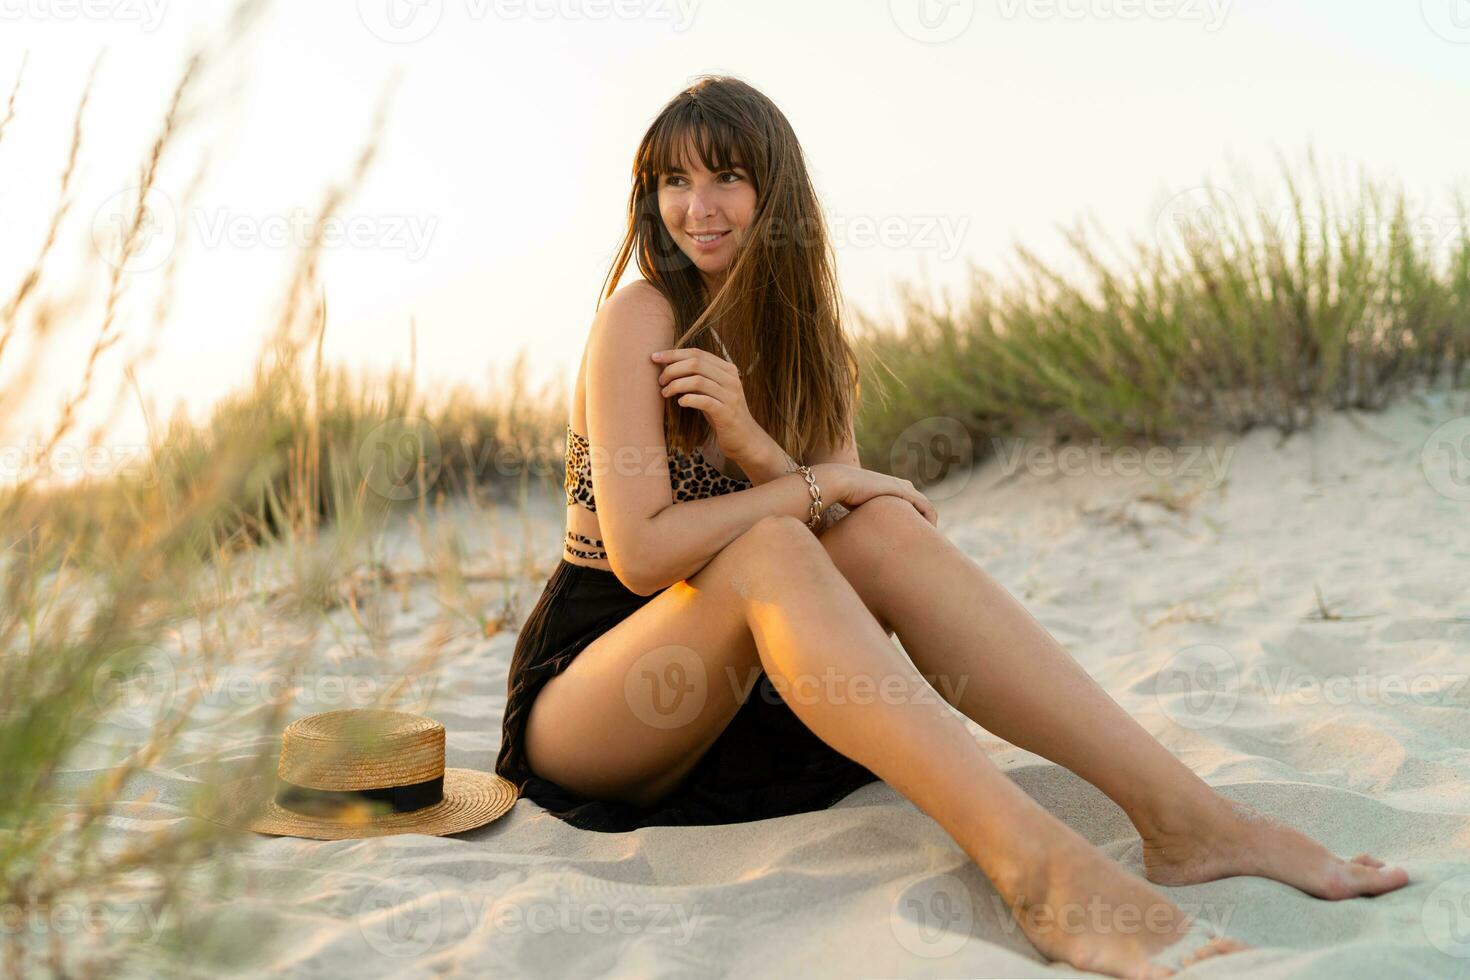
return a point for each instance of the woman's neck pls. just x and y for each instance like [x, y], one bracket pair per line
[712, 285]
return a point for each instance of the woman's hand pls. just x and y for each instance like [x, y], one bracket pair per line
[851, 486]
[708, 382]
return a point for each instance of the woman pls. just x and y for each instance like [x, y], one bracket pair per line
[716, 645]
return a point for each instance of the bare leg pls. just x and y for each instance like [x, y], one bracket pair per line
[1002, 669]
[806, 620]
[778, 585]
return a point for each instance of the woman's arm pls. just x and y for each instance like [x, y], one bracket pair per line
[775, 461]
[681, 539]
[652, 543]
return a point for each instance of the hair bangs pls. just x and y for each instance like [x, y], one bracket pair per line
[716, 143]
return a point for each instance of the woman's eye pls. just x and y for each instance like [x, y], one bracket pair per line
[730, 173]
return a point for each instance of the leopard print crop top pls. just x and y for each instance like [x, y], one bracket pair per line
[691, 476]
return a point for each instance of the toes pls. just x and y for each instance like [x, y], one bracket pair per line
[1369, 860]
[1215, 947]
[1376, 879]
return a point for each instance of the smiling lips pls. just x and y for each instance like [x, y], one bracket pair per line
[708, 241]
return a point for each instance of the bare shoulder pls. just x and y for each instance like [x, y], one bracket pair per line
[637, 316]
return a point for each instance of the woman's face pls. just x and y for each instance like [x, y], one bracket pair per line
[706, 213]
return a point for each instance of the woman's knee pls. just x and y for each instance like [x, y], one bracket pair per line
[777, 535]
[885, 509]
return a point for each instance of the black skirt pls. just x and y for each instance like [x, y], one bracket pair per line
[766, 763]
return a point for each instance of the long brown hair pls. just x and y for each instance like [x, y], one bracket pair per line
[777, 313]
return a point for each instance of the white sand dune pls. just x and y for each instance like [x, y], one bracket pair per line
[1202, 618]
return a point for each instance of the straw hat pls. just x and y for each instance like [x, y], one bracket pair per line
[367, 772]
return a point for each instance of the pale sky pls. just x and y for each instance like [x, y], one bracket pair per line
[940, 132]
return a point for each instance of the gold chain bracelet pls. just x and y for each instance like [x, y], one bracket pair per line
[815, 520]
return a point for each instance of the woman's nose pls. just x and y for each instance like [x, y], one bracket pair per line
[700, 204]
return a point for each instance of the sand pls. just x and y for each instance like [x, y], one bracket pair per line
[1193, 600]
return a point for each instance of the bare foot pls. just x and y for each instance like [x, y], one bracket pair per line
[1223, 838]
[1078, 906]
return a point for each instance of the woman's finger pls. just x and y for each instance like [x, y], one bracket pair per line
[702, 402]
[694, 383]
[683, 360]
[722, 371]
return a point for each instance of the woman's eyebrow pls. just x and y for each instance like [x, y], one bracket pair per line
[676, 169]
